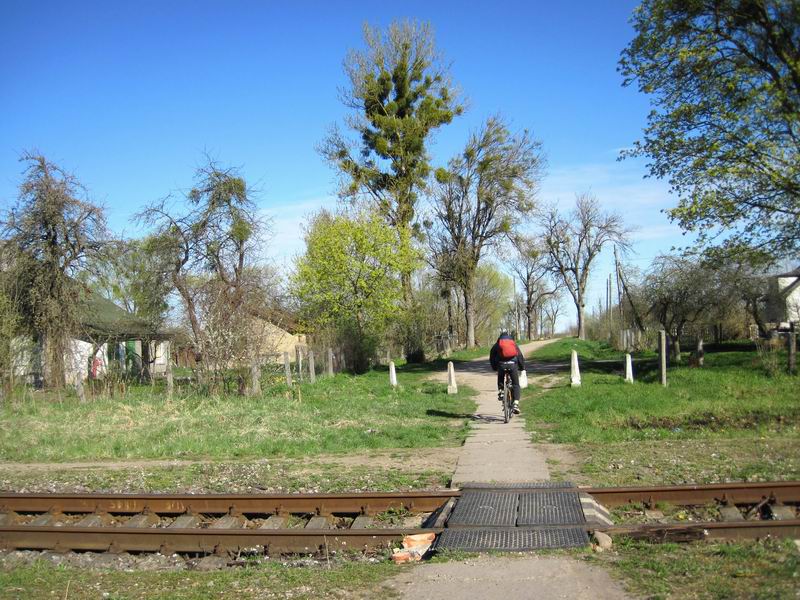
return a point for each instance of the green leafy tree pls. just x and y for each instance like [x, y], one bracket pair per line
[400, 93]
[49, 235]
[724, 76]
[493, 300]
[347, 281]
[133, 275]
[9, 329]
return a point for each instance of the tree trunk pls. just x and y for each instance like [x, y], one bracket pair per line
[529, 329]
[412, 343]
[674, 348]
[450, 313]
[145, 377]
[752, 308]
[531, 320]
[581, 321]
[469, 313]
[699, 352]
[53, 351]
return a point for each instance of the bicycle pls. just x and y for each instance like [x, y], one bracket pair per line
[508, 397]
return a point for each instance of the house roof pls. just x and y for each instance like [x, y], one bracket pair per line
[100, 318]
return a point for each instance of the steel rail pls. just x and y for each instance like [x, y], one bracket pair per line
[787, 492]
[732, 530]
[121, 539]
[368, 503]
[375, 502]
[167, 541]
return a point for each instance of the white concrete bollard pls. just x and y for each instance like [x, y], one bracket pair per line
[392, 374]
[575, 371]
[628, 368]
[452, 388]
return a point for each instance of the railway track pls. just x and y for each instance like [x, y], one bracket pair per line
[308, 523]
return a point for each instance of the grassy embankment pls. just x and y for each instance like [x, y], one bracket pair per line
[301, 436]
[559, 351]
[340, 579]
[729, 420]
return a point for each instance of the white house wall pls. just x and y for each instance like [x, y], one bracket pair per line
[77, 363]
[792, 297]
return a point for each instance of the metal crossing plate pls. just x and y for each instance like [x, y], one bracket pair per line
[511, 539]
[480, 508]
[550, 508]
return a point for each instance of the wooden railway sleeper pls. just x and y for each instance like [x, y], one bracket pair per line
[8, 516]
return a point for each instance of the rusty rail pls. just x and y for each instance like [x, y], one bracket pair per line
[213, 504]
[208, 541]
[787, 492]
[376, 502]
[736, 530]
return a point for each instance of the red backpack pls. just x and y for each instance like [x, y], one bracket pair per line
[508, 349]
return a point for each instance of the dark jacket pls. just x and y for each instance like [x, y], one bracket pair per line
[495, 358]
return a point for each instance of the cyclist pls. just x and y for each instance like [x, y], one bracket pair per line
[506, 356]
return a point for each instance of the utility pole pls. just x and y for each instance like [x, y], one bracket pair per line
[623, 339]
[609, 318]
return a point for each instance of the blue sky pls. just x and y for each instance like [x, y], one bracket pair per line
[129, 96]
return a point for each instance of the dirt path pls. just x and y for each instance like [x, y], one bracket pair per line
[412, 459]
[501, 452]
[496, 451]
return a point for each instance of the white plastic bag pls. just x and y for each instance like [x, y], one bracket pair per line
[523, 379]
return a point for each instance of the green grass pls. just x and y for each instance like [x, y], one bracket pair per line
[471, 354]
[730, 396]
[465, 354]
[343, 579]
[763, 570]
[337, 415]
[674, 462]
[560, 351]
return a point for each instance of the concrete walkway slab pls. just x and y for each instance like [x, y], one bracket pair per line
[504, 578]
[495, 451]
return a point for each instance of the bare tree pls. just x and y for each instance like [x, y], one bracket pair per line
[574, 241]
[210, 253]
[478, 201]
[680, 291]
[48, 237]
[530, 265]
[551, 309]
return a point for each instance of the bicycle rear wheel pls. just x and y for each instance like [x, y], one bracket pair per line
[506, 402]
